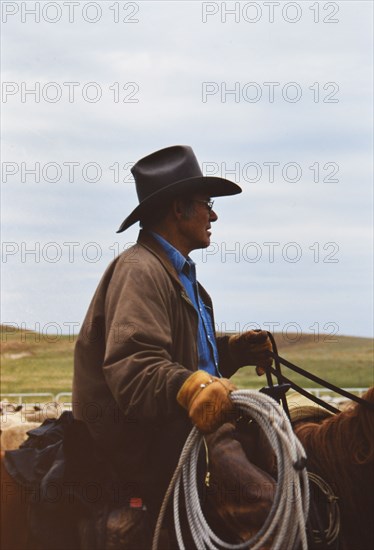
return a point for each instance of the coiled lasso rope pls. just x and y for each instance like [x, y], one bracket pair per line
[285, 526]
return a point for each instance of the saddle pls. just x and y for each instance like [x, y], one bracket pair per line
[75, 500]
[302, 410]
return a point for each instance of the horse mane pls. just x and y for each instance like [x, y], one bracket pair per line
[348, 434]
[341, 449]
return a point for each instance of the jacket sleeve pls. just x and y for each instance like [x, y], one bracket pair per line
[226, 364]
[137, 366]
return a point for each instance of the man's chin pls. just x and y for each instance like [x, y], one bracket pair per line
[202, 244]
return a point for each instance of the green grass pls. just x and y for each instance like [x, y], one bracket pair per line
[47, 366]
[32, 363]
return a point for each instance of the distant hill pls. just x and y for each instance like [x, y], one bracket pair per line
[33, 362]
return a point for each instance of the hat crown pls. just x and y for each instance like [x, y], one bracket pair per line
[163, 168]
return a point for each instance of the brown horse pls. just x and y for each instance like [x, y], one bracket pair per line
[239, 493]
[13, 513]
[339, 449]
[242, 479]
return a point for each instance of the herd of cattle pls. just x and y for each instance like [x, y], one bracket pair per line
[17, 420]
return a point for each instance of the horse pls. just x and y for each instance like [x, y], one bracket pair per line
[339, 450]
[246, 493]
[14, 533]
[241, 480]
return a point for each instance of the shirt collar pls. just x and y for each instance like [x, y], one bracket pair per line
[180, 263]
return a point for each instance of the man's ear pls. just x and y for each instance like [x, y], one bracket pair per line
[177, 207]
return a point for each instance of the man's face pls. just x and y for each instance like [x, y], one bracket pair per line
[195, 225]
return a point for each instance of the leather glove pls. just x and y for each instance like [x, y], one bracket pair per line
[251, 348]
[207, 400]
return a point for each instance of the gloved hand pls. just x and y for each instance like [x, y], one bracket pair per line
[207, 400]
[251, 348]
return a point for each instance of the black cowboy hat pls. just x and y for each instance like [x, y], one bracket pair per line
[168, 173]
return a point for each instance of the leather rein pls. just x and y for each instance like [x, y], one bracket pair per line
[279, 390]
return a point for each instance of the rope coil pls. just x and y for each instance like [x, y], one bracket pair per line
[331, 533]
[285, 525]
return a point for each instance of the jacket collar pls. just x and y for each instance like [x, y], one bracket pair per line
[150, 243]
[180, 262]
[146, 240]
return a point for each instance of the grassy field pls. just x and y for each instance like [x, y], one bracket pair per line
[33, 363]
[36, 363]
[348, 362]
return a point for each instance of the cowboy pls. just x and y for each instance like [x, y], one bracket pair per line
[148, 364]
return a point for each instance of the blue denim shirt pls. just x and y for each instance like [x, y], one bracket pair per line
[206, 342]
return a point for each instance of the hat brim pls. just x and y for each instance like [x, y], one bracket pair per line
[214, 187]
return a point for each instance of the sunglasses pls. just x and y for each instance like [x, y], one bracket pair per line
[208, 204]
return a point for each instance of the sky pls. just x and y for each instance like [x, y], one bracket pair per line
[276, 96]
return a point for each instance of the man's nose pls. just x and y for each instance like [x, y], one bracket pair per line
[213, 216]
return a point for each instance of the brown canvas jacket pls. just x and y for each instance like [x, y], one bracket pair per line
[136, 347]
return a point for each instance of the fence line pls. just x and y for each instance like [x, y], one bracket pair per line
[19, 397]
[325, 392]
